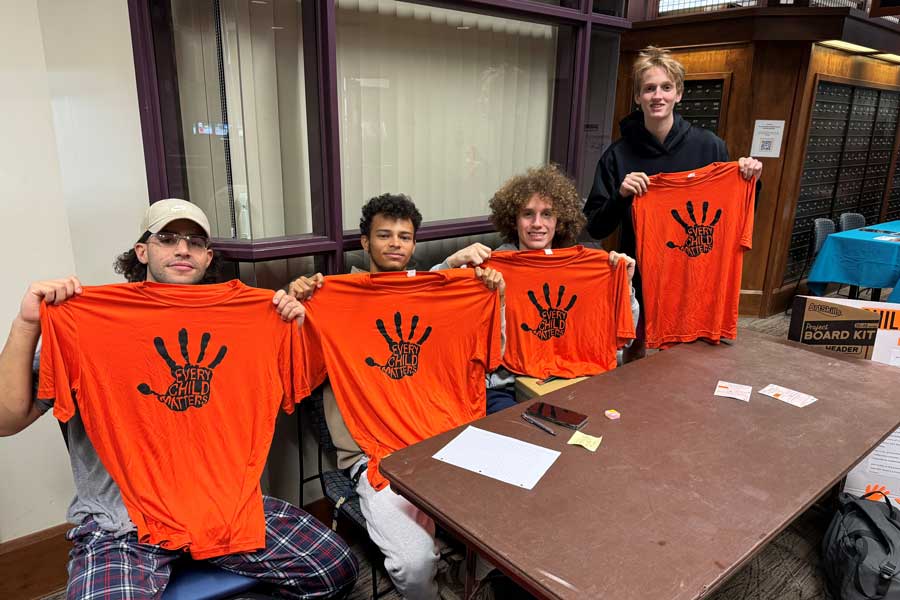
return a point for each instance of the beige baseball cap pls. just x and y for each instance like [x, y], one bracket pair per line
[163, 212]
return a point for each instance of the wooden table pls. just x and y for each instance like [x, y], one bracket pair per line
[685, 488]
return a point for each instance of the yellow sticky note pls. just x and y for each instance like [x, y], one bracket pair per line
[586, 441]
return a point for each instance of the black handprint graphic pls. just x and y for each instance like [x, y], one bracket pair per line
[404, 359]
[699, 235]
[553, 318]
[191, 385]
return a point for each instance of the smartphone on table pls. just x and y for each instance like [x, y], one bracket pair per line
[557, 414]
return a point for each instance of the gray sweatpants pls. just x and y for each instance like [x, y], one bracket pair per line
[405, 535]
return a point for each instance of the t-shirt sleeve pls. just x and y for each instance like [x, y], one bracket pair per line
[308, 356]
[42, 405]
[748, 212]
[493, 349]
[291, 369]
[622, 306]
[59, 368]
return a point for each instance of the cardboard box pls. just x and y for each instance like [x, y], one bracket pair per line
[844, 329]
[528, 388]
[880, 470]
[887, 341]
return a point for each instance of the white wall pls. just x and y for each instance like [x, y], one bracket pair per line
[98, 131]
[74, 188]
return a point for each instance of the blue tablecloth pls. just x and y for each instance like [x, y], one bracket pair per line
[856, 258]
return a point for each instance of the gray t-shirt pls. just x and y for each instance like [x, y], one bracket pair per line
[96, 494]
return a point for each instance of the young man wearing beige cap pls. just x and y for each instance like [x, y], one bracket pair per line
[302, 557]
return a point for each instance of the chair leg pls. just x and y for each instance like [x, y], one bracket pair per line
[374, 579]
[470, 571]
[854, 292]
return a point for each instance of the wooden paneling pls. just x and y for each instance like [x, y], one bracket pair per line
[784, 23]
[778, 70]
[34, 565]
[737, 60]
[738, 26]
[750, 302]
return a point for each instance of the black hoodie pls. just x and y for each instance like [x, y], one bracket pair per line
[685, 148]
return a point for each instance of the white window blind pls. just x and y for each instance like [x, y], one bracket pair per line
[439, 104]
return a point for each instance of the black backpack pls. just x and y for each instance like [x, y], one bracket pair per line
[861, 549]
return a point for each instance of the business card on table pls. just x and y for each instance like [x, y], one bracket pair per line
[734, 390]
[792, 397]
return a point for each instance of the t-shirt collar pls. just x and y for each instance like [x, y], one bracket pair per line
[188, 296]
[557, 257]
[693, 177]
[404, 281]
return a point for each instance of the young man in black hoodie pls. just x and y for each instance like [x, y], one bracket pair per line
[654, 140]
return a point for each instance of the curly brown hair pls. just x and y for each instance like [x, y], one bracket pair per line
[550, 183]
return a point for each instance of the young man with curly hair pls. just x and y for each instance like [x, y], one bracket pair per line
[537, 210]
[655, 139]
[403, 533]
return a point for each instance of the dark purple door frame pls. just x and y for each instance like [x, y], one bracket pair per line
[319, 26]
[319, 34]
[579, 99]
[148, 98]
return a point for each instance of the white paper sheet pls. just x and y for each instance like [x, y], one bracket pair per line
[885, 459]
[767, 135]
[895, 358]
[498, 456]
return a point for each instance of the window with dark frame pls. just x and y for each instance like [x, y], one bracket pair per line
[211, 78]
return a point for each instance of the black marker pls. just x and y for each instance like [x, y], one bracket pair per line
[538, 424]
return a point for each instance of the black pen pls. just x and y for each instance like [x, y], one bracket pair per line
[538, 424]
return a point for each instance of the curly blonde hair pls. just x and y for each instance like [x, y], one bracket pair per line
[650, 57]
[549, 183]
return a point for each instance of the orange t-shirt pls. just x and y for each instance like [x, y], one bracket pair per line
[406, 355]
[692, 229]
[567, 311]
[178, 387]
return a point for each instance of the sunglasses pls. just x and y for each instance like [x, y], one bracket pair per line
[170, 240]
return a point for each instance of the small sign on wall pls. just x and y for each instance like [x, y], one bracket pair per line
[767, 137]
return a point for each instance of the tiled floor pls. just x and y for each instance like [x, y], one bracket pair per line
[776, 325]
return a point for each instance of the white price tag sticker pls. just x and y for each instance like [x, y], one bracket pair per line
[792, 397]
[734, 390]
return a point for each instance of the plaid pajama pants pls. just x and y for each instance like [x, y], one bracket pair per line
[302, 557]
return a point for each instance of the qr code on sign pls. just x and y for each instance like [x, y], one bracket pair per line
[765, 146]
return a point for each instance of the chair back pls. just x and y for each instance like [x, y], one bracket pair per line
[315, 404]
[851, 220]
[822, 228]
